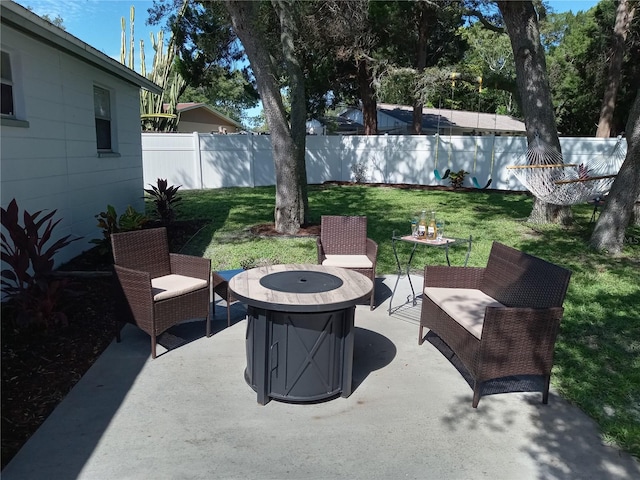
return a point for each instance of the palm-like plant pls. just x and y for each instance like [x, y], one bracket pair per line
[164, 198]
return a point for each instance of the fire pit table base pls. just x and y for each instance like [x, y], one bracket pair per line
[300, 329]
[299, 357]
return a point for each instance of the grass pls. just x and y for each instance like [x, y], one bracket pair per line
[597, 364]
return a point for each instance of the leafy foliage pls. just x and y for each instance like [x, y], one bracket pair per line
[578, 50]
[208, 55]
[30, 256]
[164, 198]
[457, 178]
[359, 170]
[110, 223]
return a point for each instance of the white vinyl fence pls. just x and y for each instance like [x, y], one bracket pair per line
[202, 160]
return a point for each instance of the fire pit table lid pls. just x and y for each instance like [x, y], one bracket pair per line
[342, 288]
[301, 281]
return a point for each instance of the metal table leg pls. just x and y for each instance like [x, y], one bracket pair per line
[413, 293]
[466, 258]
[395, 254]
[400, 271]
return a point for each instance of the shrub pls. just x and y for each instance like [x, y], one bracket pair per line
[359, 170]
[30, 256]
[457, 178]
[109, 222]
[164, 198]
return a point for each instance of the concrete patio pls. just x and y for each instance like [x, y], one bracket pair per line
[189, 414]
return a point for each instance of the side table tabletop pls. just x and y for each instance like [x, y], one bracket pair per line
[443, 243]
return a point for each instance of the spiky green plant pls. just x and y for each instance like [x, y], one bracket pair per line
[153, 114]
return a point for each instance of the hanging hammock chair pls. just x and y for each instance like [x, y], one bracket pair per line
[439, 177]
[476, 184]
[543, 173]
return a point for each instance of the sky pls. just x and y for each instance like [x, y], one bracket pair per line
[98, 22]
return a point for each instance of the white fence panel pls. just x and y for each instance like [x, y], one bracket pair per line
[587, 150]
[214, 161]
[226, 161]
[171, 156]
[323, 159]
[264, 170]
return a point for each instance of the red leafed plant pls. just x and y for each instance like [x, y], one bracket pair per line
[29, 254]
[583, 172]
[164, 199]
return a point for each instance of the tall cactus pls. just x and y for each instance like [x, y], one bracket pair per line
[132, 14]
[154, 117]
[123, 38]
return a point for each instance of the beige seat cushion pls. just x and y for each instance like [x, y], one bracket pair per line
[465, 305]
[173, 285]
[347, 261]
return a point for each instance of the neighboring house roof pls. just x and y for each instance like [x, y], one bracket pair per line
[31, 24]
[338, 125]
[441, 119]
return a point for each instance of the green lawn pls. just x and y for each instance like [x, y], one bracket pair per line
[597, 364]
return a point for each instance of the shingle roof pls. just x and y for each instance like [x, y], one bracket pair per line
[434, 119]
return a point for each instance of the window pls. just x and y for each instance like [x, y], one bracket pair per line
[102, 108]
[6, 105]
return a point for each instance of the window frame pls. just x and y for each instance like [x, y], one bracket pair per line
[7, 81]
[16, 117]
[100, 117]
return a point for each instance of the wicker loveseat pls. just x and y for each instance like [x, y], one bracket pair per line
[500, 320]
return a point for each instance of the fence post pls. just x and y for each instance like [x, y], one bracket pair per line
[252, 159]
[197, 158]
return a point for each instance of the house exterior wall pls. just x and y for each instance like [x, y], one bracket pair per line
[52, 162]
[200, 120]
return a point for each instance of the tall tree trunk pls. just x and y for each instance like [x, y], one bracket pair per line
[608, 234]
[535, 95]
[288, 154]
[635, 214]
[297, 94]
[620, 30]
[421, 61]
[367, 96]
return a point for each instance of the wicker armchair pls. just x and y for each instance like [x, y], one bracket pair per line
[343, 243]
[161, 289]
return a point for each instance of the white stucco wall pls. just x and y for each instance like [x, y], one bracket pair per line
[52, 163]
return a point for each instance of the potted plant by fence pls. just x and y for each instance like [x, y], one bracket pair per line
[457, 178]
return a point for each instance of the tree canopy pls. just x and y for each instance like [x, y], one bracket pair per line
[578, 50]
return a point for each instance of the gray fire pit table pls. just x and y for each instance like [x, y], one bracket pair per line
[299, 337]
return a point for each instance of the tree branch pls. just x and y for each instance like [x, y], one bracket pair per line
[484, 21]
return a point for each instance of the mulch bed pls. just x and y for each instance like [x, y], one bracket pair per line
[39, 367]
[269, 230]
[441, 188]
